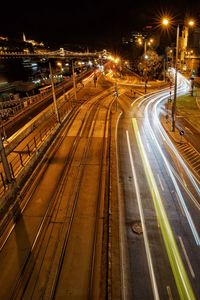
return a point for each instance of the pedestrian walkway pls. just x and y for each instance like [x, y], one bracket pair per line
[191, 155]
[188, 115]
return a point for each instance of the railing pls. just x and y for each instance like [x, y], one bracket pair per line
[58, 53]
[23, 156]
[13, 107]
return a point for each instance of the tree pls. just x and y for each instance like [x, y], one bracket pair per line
[150, 65]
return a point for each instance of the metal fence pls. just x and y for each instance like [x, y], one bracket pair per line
[22, 157]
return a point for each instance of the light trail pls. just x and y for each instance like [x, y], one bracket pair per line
[160, 97]
[159, 179]
[171, 145]
[180, 274]
[146, 241]
[184, 87]
[168, 166]
[149, 95]
[154, 99]
[185, 188]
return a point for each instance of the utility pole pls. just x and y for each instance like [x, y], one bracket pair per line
[116, 94]
[54, 95]
[164, 70]
[74, 81]
[5, 161]
[145, 80]
[175, 83]
[145, 47]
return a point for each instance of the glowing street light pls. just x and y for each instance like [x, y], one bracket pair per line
[165, 21]
[146, 42]
[59, 64]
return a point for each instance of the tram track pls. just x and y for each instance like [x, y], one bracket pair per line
[8, 222]
[27, 271]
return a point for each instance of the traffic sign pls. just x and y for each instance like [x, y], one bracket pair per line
[182, 132]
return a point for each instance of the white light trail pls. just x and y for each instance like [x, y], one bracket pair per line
[168, 166]
[146, 242]
[183, 85]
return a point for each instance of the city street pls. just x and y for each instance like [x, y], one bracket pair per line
[161, 196]
[112, 207]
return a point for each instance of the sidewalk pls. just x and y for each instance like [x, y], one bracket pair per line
[188, 110]
[175, 136]
[187, 122]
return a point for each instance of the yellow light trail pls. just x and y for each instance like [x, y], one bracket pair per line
[182, 281]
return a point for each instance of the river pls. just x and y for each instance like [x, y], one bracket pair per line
[21, 69]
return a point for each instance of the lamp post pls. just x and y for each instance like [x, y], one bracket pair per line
[59, 64]
[4, 161]
[145, 47]
[74, 81]
[146, 42]
[54, 95]
[175, 82]
[166, 22]
[145, 80]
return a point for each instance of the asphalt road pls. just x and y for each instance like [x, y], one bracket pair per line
[157, 189]
[158, 207]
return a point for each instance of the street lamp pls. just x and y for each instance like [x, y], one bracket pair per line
[146, 42]
[54, 95]
[74, 80]
[59, 64]
[166, 22]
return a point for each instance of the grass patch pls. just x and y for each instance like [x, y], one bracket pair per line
[186, 102]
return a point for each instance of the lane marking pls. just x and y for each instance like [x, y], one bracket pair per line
[148, 146]
[169, 292]
[160, 182]
[179, 203]
[186, 257]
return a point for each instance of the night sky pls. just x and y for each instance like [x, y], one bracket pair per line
[86, 22]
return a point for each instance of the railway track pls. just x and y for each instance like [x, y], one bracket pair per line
[67, 243]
